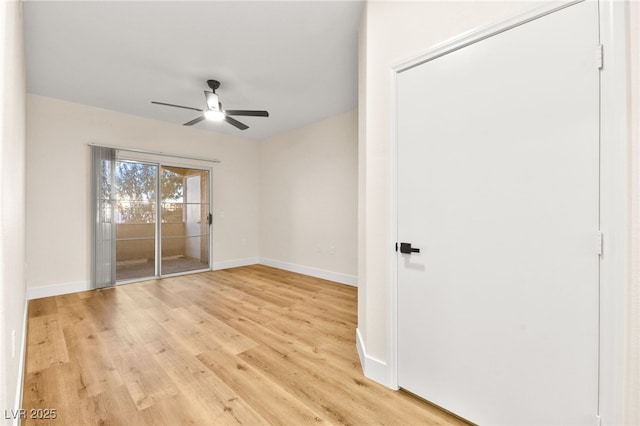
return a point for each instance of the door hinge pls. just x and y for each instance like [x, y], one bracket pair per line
[599, 243]
[599, 56]
[396, 246]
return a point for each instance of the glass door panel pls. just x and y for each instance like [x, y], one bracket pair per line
[184, 214]
[136, 188]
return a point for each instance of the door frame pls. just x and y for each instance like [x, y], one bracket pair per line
[614, 182]
[209, 170]
[145, 159]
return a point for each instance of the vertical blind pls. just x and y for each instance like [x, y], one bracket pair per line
[104, 228]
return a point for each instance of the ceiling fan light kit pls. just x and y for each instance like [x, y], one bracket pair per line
[214, 115]
[214, 111]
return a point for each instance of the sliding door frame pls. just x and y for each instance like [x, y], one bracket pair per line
[209, 171]
[158, 214]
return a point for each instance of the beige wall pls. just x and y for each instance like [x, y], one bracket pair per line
[12, 200]
[58, 235]
[309, 196]
[290, 199]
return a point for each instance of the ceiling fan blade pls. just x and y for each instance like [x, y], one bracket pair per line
[194, 121]
[236, 123]
[247, 113]
[177, 106]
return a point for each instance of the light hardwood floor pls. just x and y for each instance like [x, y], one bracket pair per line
[252, 345]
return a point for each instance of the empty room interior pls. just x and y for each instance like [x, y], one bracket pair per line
[301, 212]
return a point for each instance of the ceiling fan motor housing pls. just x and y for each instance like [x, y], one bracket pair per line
[212, 101]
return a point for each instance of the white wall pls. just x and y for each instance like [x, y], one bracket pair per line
[12, 201]
[309, 199]
[632, 332]
[58, 195]
[392, 31]
[363, 311]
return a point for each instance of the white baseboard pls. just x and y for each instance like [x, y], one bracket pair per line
[360, 348]
[373, 368]
[77, 286]
[235, 263]
[338, 277]
[57, 289]
[23, 353]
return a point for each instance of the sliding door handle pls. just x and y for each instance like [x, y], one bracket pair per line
[407, 249]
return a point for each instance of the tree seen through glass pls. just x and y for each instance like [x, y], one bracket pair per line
[136, 193]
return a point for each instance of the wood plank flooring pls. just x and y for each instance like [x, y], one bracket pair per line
[249, 346]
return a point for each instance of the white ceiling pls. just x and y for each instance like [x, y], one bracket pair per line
[296, 59]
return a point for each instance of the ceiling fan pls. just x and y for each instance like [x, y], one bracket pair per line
[214, 109]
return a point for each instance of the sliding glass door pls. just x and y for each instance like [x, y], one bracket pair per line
[147, 247]
[135, 216]
[185, 219]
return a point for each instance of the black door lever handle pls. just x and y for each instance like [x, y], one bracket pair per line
[407, 249]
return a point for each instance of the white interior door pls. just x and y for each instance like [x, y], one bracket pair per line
[498, 175]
